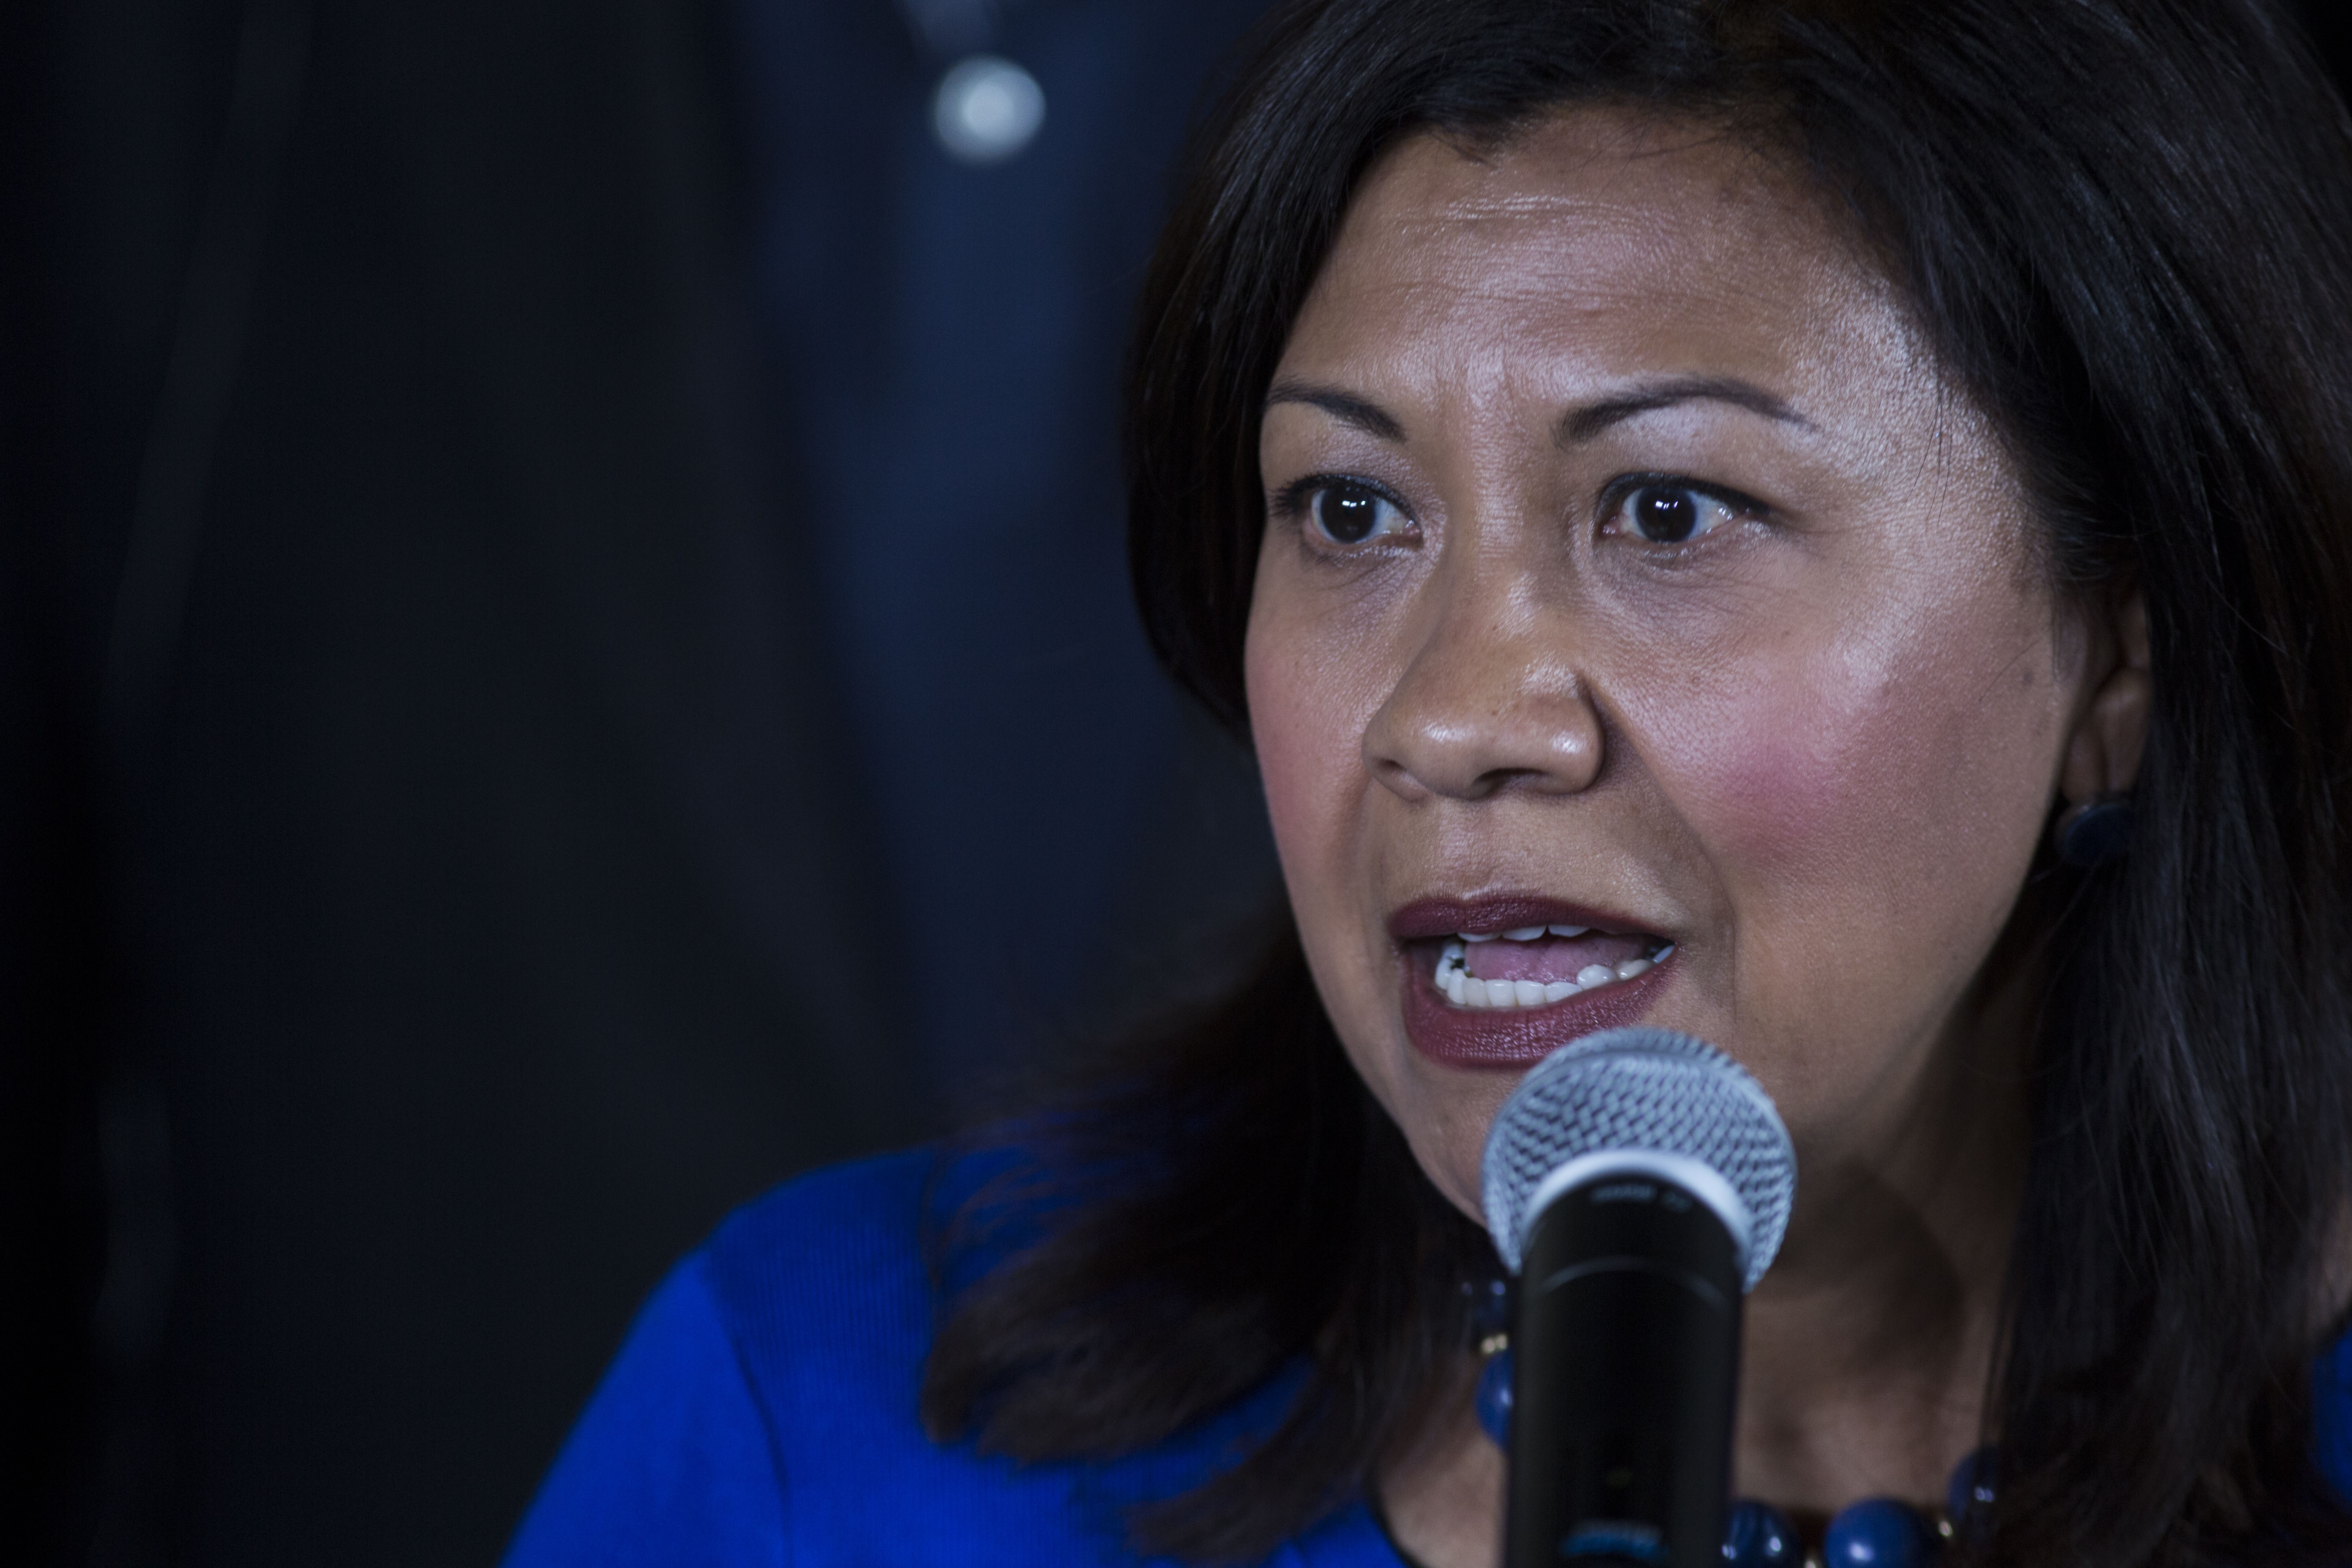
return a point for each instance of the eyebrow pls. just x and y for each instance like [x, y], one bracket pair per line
[1577, 426]
[1347, 408]
[1582, 424]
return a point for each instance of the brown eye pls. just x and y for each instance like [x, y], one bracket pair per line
[1674, 514]
[1347, 513]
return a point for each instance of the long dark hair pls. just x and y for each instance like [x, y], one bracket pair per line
[2126, 227]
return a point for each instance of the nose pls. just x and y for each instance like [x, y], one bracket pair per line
[1492, 702]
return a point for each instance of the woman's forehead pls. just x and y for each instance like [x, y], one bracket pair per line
[1601, 243]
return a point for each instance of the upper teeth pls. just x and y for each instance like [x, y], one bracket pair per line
[1525, 934]
[1464, 990]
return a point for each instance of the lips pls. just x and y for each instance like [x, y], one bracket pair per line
[1426, 918]
[1512, 1037]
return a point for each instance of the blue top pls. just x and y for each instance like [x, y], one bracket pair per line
[763, 1412]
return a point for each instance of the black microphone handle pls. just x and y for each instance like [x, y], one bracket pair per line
[1626, 1353]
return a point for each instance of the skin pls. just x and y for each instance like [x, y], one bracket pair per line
[1815, 745]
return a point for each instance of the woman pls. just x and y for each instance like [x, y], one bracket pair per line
[1821, 526]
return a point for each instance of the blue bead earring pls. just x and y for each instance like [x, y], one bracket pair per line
[2095, 832]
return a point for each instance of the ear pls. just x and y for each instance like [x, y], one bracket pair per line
[2110, 729]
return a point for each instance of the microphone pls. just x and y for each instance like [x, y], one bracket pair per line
[1638, 1183]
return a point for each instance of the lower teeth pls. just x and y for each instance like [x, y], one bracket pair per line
[1464, 989]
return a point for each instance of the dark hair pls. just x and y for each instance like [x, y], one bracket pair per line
[2128, 229]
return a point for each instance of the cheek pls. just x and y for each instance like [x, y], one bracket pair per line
[1787, 772]
[1835, 790]
[1293, 755]
[1308, 710]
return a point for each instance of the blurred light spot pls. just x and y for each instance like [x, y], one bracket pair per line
[988, 108]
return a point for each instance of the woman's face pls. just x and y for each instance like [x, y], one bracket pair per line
[1643, 631]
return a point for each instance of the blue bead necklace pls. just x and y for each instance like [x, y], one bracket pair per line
[1876, 1532]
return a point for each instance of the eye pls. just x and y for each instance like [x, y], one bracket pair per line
[1348, 512]
[1661, 511]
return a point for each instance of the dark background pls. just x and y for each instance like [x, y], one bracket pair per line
[564, 656]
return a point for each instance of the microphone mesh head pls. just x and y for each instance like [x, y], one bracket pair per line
[1640, 1091]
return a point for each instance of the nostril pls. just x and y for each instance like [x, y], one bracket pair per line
[1496, 781]
[1395, 776]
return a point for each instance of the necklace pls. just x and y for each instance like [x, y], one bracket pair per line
[1876, 1532]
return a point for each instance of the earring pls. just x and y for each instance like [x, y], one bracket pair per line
[2095, 832]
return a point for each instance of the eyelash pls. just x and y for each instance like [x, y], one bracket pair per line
[1293, 502]
[1618, 492]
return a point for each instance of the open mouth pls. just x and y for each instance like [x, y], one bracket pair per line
[1502, 981]
[1539, 966]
